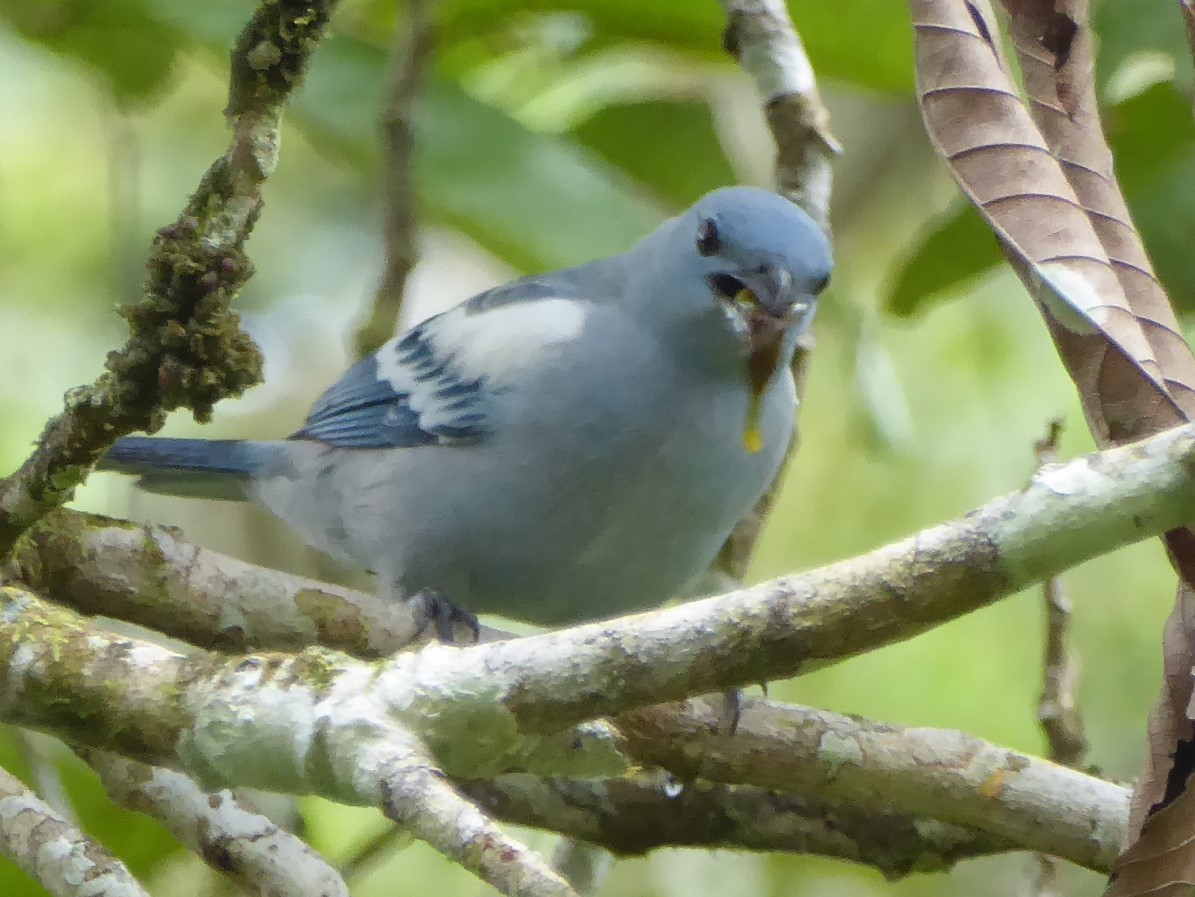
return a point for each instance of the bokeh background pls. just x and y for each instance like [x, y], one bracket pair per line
[550, 133]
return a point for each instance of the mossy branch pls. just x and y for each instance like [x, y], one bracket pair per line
[185, 346]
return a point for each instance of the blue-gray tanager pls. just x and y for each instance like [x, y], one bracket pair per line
[561, 448]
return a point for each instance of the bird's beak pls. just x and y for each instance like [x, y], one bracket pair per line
[769, 307]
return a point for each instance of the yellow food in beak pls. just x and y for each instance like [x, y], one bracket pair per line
[752, 434]
[765, 336]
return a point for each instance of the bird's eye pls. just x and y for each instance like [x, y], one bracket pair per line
[708, 241]
[820, 284]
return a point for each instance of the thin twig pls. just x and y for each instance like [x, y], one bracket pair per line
[761, 36]
[230, 838]
[419, 797]
[375, 849]
[1057, 708]
[411, 56]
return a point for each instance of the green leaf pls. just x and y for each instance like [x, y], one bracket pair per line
[628, 136]
[536, 199]
[957, 248]
[863, 42]
[1153, 139]
[1125, 28]
[116, 37]
[1148, 133]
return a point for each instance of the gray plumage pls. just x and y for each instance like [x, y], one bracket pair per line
[564, 447]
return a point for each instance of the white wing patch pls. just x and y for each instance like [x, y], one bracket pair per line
[500, 341]
[491, 345]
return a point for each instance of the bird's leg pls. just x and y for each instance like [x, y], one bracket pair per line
[730, 712]
[433, 608]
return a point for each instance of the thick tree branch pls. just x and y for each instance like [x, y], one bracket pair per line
[1068, 514]
[151, 577]
[228, 837]
[185, 347]
[934, 773]
[320, 721]
[354, 731]
[53, 851]
[631, 816]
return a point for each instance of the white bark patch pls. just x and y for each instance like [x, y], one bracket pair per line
[1066, 479]
[838, 750]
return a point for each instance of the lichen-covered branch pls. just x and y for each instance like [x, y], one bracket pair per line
[185, 346]
[55, 853]
[150, 576]
[1067, 514]
[418, 797]
[409, 60]
[350, 730]
[230, 838]
[631, 816]
[934, 773]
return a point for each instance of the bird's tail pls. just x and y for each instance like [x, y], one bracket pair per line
[194, 468]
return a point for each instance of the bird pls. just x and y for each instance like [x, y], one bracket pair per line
[567, 447]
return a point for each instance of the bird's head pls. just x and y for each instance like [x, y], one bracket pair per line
[760, 263]
[762, 259]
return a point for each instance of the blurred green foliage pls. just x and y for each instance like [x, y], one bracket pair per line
[551, 133]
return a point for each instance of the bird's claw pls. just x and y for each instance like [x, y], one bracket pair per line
[433, 608]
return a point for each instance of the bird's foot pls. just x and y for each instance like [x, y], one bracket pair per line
[432, 608]
[730, 713]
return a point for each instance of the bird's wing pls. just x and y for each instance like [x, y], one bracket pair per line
[434, 384]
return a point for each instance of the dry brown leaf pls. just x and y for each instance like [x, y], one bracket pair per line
[1054, 46]
[979, 124]
[1044, 180]
[1161, 862]
[1167, 764]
